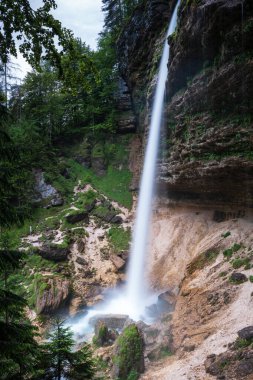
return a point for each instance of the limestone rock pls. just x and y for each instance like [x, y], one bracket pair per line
[54, 296]
[118, 262]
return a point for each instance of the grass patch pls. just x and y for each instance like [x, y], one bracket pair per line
[119, 238]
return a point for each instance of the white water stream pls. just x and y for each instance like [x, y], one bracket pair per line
[134, 299]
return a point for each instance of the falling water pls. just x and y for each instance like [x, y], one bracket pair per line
[136, 285]
[133, 300]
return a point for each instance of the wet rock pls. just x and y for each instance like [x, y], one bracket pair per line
[166, 302]
[246, 333]
[78, 217]
[112, 321]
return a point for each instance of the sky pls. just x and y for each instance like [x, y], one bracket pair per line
[83, 17]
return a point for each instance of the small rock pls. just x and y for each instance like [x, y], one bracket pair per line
[118, 262]
[117, 220]
[81, 261]
[238, 278]
[246, 333]
[57, 201]
[80, 245]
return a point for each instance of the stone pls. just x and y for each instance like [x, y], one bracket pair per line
[78, 217]
[118, 262]
[166, 302]
[56, 295]
[80, 245]
[112, 321]
[57, 201]
[89, 207]
[116, 220]
[246, 333]
[238, 278]
[54, 253]
[81, 261]
[85, 161]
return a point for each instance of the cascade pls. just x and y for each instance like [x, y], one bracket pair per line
[135, 281]
[133, 300]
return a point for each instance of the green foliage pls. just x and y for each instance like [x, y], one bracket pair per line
[119, 238]
[228, 253]
[58, 359]
[35, 31]
[129, 353]
[242, 343]
[19, 350]
[226, 234]
[238, 263]
[251, 278]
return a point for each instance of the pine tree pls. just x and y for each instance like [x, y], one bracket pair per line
[58, 360]
[19, 349]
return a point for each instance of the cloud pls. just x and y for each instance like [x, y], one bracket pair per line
[83, 17]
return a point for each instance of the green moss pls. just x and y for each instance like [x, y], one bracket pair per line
[201, 261]
[119, 238]
[226, 234]
[129, 352]
[251, 278]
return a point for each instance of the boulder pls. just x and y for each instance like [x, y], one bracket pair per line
[78, 217]
[112, 321]
[117, 219]
[166, 302]
[81, 261]
[246, 333]
[118, 262]
[238, 278]
[80, 245]
[55, 295]
[57, 201]
[54, 253]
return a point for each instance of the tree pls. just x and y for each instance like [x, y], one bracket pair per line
[35, 31]
[19, 350]
[58, 359]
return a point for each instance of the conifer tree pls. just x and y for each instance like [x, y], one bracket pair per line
[58, 359]
[19, 349]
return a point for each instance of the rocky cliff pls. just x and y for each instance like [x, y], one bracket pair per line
[201, 243]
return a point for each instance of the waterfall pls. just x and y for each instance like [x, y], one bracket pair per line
[133, 300]
[136, 294]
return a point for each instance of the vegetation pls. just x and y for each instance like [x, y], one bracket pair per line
[202, 260]
[119, 238]
[129, 356]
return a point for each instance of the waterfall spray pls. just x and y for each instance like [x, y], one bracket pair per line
[135, 281]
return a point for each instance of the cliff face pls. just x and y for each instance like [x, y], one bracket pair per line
[209, 136]
[201, 242]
